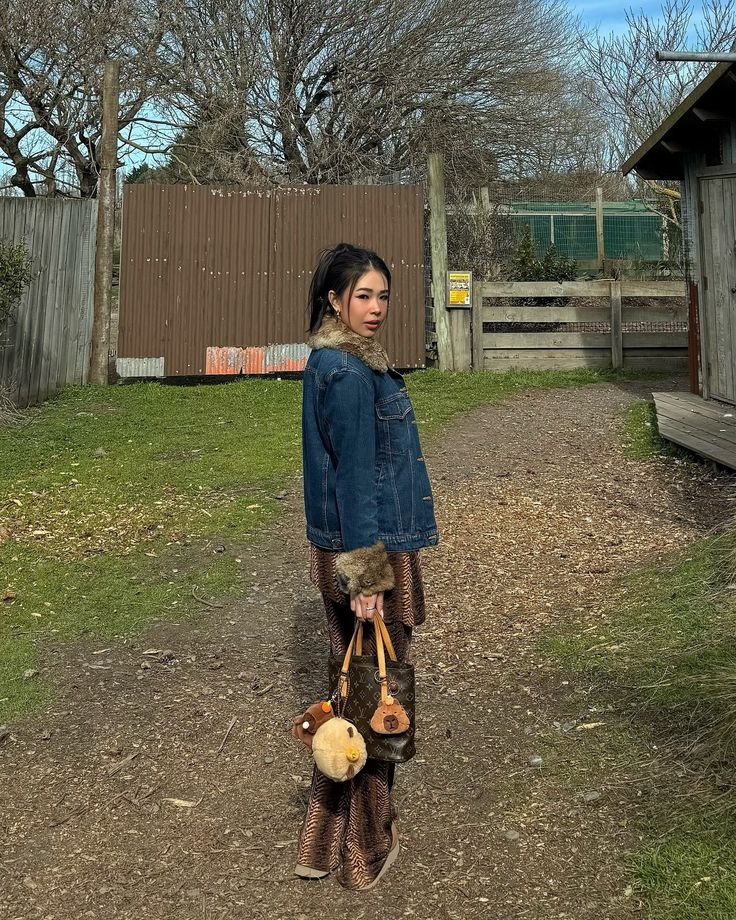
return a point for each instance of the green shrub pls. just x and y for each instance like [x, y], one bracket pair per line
[15, 276]
[525, 266]
[557, 268]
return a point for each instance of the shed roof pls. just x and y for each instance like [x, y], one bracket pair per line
[691, 128]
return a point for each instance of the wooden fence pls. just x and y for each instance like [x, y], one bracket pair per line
[612, 335]
[46, 345]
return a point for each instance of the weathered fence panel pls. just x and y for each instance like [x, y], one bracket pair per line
[616, 334]
[46, 345]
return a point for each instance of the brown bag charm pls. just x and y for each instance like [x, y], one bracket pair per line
[390, 718]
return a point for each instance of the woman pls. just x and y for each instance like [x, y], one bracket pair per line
[368, 505]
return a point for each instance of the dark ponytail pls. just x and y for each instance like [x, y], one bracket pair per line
[338, 270]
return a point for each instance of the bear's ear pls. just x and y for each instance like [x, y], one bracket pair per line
[350, 731]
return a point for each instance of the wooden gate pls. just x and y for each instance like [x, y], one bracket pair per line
[717, 195]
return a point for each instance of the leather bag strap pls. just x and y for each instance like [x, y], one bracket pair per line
[383, 645]
[381, 654]
[342, 681]
[386, 638]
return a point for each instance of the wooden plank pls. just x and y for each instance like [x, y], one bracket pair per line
[656, 363]
[34, 324]
[617, 348]
[691, 403]
[546, 289]
[668, 289]
[59, 231]
[477, 324]
[723, 253]
[717, 423]
[698, 425]
[707, 332]
[438, 248]
[541, 359]
[653, 289]
[545, 340]
[710, 172]
[712, 220]
[460, 336]
[551, 314]
[729, 230]
[599, 237]
[658, 340]
[669, 313]
[86, 284]
[706, 448]
[655, 340]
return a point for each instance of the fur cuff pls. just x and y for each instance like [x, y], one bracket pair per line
[365, 570]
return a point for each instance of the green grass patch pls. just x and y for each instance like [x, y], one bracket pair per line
[691, 873]
[439, 395]
[114, 500]
[666, 652]
[642, 438]
[669, 632]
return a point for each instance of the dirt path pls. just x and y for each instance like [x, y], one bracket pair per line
[538, 509]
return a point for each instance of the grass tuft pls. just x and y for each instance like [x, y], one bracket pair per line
[642, 438]
[666, 647]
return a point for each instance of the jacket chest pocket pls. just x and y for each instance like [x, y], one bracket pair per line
[394, 417]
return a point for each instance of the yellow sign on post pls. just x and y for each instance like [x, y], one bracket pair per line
[459, 289]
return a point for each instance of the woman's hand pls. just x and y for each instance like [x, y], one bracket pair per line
[364, 606]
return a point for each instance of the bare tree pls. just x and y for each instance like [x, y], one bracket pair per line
[52, 54]
[309, 91]
[630, 91]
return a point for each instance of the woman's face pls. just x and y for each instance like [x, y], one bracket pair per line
[368, 306]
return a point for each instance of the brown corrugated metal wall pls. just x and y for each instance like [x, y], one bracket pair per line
[215, 280]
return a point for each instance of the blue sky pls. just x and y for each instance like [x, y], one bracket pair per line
[608, 15]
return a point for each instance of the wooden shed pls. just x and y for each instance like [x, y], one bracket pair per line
[696, 144]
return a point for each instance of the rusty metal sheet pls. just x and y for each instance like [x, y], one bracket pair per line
[206, 272]
[140, 367]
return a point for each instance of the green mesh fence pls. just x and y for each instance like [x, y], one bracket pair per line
[630, 230]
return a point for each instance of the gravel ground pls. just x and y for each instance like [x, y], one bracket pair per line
[163, 781]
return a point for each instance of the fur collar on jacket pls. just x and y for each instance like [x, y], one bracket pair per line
[333, 333]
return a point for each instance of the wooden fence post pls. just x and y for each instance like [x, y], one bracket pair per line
[477, 325]
[599, 235]
[617, 343]
[438, 243]
[99, 359]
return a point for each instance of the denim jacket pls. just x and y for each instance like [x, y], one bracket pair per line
[365, 478]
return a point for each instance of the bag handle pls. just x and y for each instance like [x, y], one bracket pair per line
[381, 654]
[386, 638]
[342, 680]
[383, 645]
